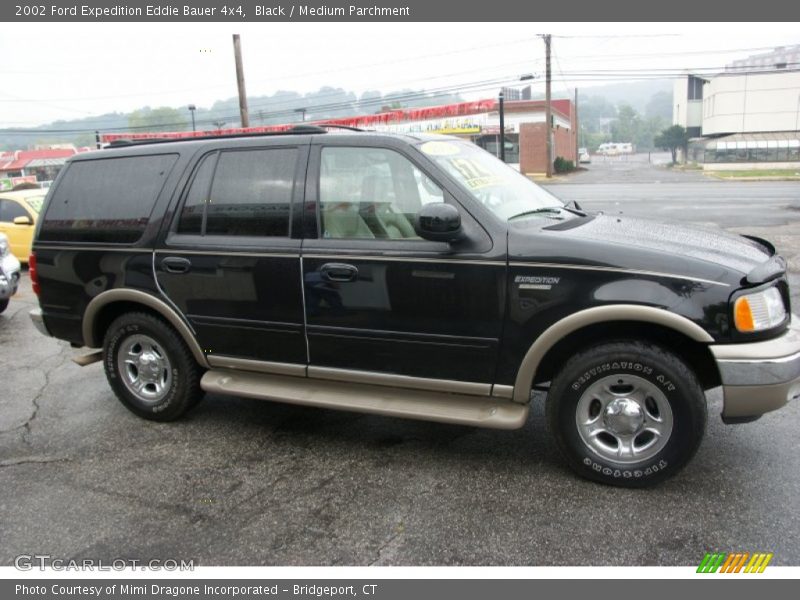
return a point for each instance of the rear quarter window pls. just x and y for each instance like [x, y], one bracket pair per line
[106, 200]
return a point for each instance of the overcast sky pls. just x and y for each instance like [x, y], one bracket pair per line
[61, 71]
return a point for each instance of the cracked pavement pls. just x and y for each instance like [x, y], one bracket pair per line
[243, 482]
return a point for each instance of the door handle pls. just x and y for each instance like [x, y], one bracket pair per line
[338, 272]
[176, 264]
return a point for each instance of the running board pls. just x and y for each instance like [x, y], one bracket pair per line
[459, 409]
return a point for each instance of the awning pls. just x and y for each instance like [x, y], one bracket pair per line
[747, 141]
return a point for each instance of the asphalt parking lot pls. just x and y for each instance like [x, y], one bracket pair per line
[243, 482]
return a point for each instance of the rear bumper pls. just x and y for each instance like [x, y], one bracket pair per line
[761, 376]
[38, 321]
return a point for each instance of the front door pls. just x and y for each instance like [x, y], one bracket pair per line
[378, 297]
[230, 262]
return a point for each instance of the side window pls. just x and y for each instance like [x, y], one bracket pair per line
[10, 211]
[371, 193]
[241, 193]
[194, 205]
[106, 199]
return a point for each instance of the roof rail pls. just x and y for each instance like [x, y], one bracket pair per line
[335, 126]
[296, 130]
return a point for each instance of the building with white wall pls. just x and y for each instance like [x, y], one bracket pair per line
[741, 119]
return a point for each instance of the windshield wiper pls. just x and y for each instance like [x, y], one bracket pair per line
[576, 208]
[535, 211]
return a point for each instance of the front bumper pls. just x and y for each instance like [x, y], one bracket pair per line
[9, 276]
[760, 376]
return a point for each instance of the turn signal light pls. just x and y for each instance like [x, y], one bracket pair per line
[743, 315]
[759, 311]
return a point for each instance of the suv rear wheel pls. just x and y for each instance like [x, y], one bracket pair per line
[626, 413]
[150, 368]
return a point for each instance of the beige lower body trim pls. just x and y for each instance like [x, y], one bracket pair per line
[459, 409]
[600, 314]
[503, 391]
[148, 300]
[401, 381]
[258, 366]
[753, 400]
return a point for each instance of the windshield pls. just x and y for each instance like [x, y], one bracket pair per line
[35, 202]
[500, 188]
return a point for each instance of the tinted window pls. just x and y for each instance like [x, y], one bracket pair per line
[371, 193]
[191, 220]
[250, 195]
[106, 200]
[10, 211]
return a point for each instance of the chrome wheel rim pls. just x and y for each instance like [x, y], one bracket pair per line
[144, 368]
[624, 419]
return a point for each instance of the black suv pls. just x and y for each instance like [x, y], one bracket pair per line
[414, 276]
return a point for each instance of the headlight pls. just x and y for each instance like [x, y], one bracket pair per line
[759, 311]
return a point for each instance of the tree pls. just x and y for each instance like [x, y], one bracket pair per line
[157, 119]
[660, 105]
[671, 139]
[627, 125]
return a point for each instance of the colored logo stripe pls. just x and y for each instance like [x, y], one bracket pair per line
[734, 562]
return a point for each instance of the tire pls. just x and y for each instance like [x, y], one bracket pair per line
[3, 305]
[629, 414]
[149, 367]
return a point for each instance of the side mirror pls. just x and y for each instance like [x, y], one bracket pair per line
[438, 222]
[23, 221]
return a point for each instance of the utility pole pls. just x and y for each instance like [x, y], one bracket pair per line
[502, 128]
[237, 53]
[577, 130]
[548, 117]
[193, 108]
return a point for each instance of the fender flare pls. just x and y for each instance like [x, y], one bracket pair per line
[152, 302]
[590, 316]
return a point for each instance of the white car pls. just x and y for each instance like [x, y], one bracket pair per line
[9, 273]
[583, 156]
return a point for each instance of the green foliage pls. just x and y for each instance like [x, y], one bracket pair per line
[660, 105]
[163, 118]
[562, 165]
[672, 138]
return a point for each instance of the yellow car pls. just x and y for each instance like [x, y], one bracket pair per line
[18, 214]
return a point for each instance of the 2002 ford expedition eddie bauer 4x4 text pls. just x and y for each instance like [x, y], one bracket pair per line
[414, 276]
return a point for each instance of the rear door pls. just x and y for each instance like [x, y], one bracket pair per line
[231, 259]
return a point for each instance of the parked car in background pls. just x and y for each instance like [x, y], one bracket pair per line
[9, 273]
[584, 157]
[615, 148]
[18, 213]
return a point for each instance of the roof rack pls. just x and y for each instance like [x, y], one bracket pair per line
[335, 126]
[296, 130]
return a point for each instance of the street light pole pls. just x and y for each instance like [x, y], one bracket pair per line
[302, 112]
[193, 108]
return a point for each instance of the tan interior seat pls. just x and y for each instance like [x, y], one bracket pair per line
[341, 220]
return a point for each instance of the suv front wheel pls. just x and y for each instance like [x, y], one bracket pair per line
[626, 413]
[150, 368]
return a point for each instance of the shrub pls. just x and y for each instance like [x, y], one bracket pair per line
[562, 165]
